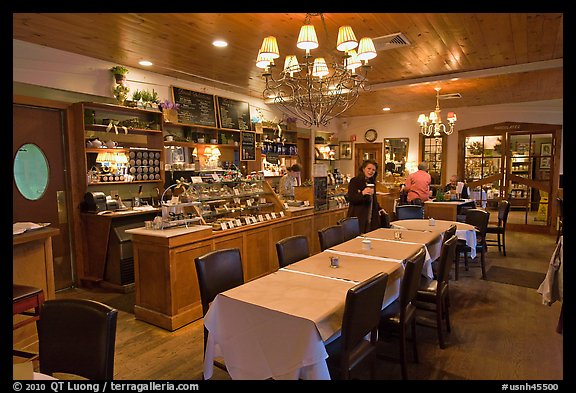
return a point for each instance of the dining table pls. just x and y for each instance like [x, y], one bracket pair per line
[277, 326]
[464, 231]
[393, 245]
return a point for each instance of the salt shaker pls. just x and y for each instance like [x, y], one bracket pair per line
[334, 262]
[432, 221]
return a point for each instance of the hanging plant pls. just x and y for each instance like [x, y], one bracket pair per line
[119, 73]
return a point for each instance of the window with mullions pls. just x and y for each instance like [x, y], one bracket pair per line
[482, 159]
[433, 148]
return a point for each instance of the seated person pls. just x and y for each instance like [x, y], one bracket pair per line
[452, 187]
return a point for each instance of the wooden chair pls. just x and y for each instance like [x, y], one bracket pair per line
[350, 228]
[500, 229]
[217, 272]
[478, 218]
[292, 249]
[330, 236]
[26, 301]
[385, 220]
[408, 212]
[400, 315]
[433, 295]
[77, 336]
[361, 318]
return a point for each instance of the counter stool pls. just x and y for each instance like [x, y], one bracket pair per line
[24, 299]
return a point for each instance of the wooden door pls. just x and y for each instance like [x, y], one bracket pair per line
[44, 127]
[368, 151]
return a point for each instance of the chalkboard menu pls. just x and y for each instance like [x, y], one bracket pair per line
[233, 114]
[248, 146]
[196, 109]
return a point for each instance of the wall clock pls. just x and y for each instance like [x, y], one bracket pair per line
[371, 135]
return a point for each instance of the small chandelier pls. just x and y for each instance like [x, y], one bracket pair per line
[433, 123]
[309, 90]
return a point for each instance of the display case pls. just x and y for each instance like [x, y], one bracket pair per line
[224, 200]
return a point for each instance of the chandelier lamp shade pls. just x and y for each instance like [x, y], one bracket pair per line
[432, 125]
[315, 90]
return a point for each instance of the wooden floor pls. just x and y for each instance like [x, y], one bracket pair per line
[499, 331]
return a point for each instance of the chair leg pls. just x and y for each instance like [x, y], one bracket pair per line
[499, 245]
[404, 364]
[439, 317]
[456, 263]
[504, 243]
[482, 264]
[414, 341]
[465, 260]
[447, 312]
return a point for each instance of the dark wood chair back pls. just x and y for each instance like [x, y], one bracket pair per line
[292, 249]
[330, 236]
[77, 336]
[409, 212]
[361, 317]
[350, 228]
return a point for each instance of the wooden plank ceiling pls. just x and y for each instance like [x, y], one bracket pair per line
[489, 58]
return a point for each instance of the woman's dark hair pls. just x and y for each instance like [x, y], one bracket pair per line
[295, 168]
[365, 163]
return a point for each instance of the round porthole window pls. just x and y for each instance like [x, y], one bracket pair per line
[31, 171]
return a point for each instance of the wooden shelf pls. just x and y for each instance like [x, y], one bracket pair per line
[193, 144]
[102, 128]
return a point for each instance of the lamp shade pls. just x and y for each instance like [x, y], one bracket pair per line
[269, 48]
[320, 68]
[353, 61]
[263, 61]
[366, 49]
[121, 158]
[208, 151]
[195, 152]
[346, 39]
[307, 38]
[422, 119]
[451, 117]
[291, 64]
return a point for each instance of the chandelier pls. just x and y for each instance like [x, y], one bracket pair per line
[308, 89]
[433, 123]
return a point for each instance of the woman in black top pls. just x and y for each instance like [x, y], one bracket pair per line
[362, 199]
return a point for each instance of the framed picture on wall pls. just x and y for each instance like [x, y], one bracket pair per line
[546, 149]
[545, 162]
[346, 150]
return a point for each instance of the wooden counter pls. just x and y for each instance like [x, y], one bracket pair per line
[167, 292]
[32, 264]
[97, 230]
[445, 210]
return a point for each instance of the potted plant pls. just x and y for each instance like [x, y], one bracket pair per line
[121, 92]
[119, 73]
[170, 111]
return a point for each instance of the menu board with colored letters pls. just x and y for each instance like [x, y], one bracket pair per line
[233, 114]
[195, 108]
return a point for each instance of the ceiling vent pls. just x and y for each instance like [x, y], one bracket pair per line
[390, 41]
[450, 96]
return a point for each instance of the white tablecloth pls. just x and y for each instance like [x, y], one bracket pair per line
[276, 326]
[464, 231]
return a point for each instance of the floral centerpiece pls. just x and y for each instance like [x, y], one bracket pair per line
[170, 111]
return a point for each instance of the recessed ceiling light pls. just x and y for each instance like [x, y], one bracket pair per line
[220, 43]
[386, 109]
[145, 63]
